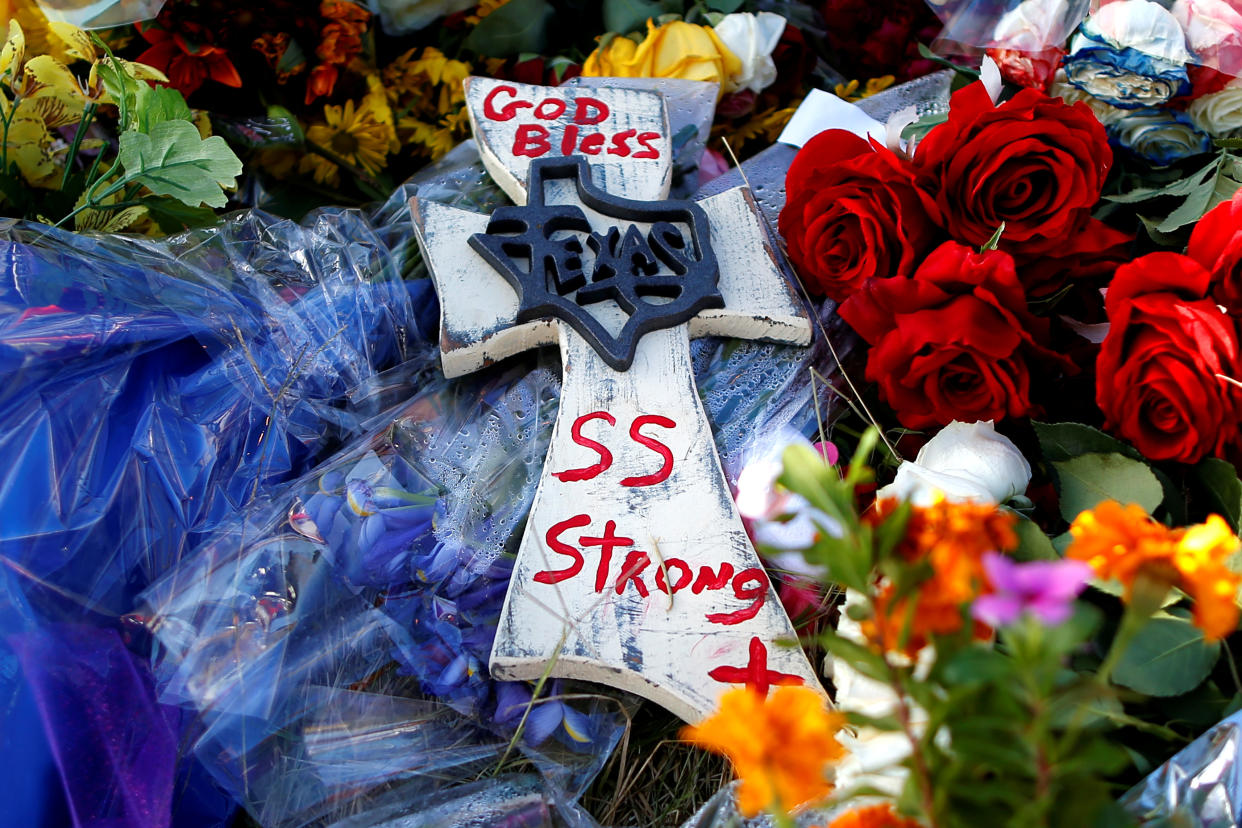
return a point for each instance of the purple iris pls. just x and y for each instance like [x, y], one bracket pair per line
[1046, 589]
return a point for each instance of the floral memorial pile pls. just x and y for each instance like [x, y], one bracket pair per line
[648, 412]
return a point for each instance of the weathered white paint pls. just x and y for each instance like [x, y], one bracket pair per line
[659, 645]
[635, 110]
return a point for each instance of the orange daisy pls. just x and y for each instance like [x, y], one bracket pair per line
[1122, 542]
[874, 816]
[780, 746]
[952, 538]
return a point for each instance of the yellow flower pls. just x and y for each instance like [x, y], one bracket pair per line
[438, 138]
[355, 135]
[780, 746]
[674, 50]
[1123, 543]
[59, 97]
[29, 144]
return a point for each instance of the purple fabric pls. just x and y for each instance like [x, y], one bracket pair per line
[113, 748]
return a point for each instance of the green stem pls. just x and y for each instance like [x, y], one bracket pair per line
[88, 115]
[4, 140]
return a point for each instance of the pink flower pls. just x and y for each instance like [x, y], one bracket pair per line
[1046, 589]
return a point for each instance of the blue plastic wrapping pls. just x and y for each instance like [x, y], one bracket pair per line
[255, 543]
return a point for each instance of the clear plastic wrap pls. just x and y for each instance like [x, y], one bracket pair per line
[255, 543]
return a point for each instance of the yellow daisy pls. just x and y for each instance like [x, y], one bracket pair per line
[356, 135]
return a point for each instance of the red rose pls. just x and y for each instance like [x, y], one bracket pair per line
[1033, 162]
[952, 342]
[1157, 371]
[1216, 243]
[852, 212]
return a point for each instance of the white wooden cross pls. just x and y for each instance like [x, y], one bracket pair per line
[634, 570]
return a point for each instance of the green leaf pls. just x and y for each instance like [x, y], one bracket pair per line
[1180, 187]
[1220, 478]
[174, 160]
[724, 6]
[517, 26]
[172, 216]
[123, 88]
[154, 104]
[1033, 544]
[975, 665]
[992, 243]
[1228, 143]
[1065, 441]
[1167, 657]
[1092, 478]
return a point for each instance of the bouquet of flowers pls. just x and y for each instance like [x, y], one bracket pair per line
[1041, 606]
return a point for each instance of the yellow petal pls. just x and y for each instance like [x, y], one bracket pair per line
[13, 55]
[72, 40]
[59, 99]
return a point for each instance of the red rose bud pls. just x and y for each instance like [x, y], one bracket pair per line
[1033, 162]
[953, 342]
[1158, 374]
[852, 213]
[1216, 243]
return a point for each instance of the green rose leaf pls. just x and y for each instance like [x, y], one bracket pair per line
[625, 16]
[1093, 478]
[1220, 479]
[174, 160]
[1167, 657]
[1062, 441]
[517, 26]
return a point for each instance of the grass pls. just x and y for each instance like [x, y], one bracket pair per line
[653, 780]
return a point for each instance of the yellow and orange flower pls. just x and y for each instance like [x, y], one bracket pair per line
[1122, 542]
[780, 746]
[874, 816]
[675, 50]
[362, 136]
[952, 538]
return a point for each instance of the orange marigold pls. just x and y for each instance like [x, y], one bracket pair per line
[1122, 542]
[780, 746]
[874, 816]
[952, 537]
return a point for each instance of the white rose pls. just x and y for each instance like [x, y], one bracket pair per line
[752, 38]
[964, 461]
[1220, 113]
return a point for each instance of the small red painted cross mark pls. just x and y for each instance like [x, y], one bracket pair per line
[756, 673]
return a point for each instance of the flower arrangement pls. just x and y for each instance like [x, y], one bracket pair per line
[1023, 620]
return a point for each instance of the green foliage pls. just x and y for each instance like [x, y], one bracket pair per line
[1092, 478]
[174, 160]
[625, 16]
[1041, 725]
[1220, 478]
[1167, 657]
[1193, 195]
[516, 27]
